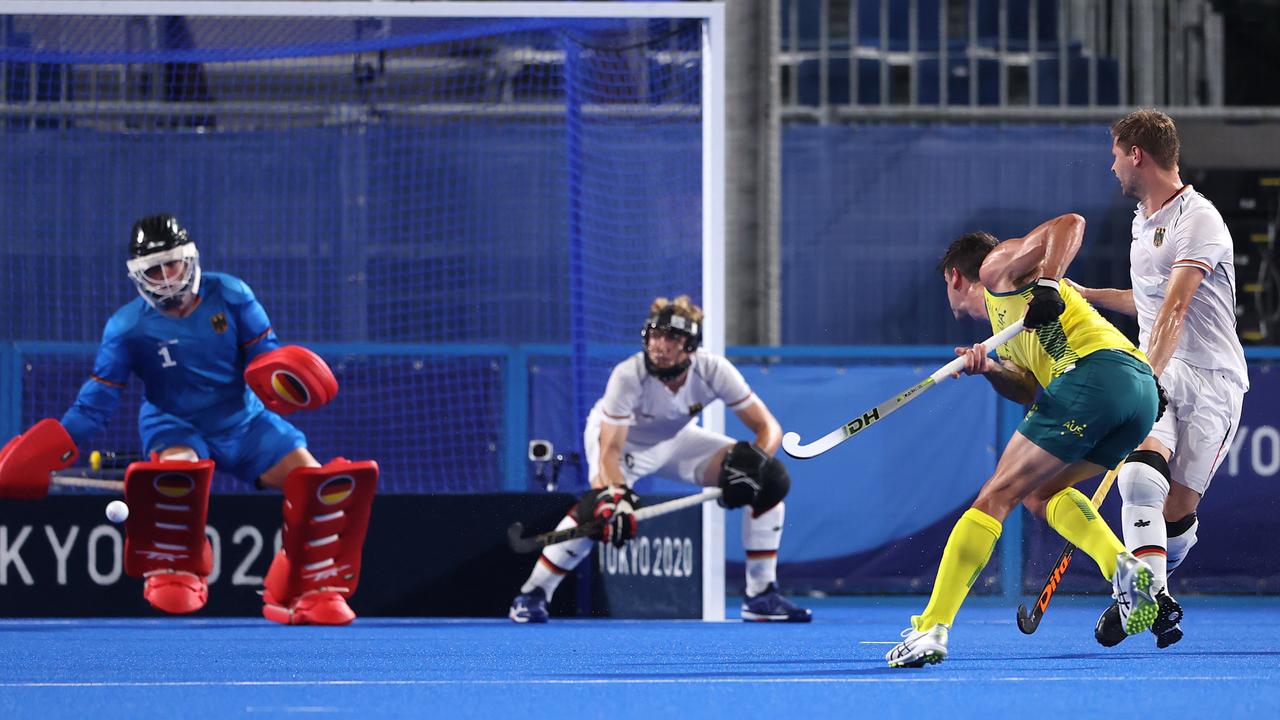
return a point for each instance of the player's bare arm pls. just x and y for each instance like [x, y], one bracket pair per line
[612, 439]
[1167, 328]
[1012, 381]
[1113, 299]
[1045, 252]
[1009, 379]
[757, 417]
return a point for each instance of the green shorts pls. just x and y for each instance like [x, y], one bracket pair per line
[1099, 411]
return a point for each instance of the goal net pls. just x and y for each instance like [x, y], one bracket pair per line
[468, 216]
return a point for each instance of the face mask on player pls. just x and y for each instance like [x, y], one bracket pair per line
[168, 278]
[676, 326]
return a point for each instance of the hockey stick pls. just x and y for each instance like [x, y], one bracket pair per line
[108, 460]
[1028, 622]
[87, 482]
[791, 441]
[537, 542]
[99, 460]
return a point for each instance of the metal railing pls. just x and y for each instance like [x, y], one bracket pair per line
[491, 80]
[999, 59]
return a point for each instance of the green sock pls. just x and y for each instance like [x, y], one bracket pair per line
[1077, 520]
[967, 552]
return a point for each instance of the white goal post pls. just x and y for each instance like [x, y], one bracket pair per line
[712, 17]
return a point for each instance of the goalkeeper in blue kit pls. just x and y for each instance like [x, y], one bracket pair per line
[208, 359]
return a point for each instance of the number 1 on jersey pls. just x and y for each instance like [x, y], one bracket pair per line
[168, 361]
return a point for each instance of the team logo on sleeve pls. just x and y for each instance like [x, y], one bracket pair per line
[695, 408]
[219, 323]
[1158, 240]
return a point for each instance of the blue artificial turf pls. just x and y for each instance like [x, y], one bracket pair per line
[1227, 666]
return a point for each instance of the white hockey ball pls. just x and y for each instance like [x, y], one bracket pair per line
[117, 511]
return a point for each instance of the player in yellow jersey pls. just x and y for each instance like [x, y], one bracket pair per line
[1098, 402]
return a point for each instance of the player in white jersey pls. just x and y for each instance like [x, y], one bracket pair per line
[644, 425]
[1184, 289]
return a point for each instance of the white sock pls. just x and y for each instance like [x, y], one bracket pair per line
[761, 537]
[1143, 490]
[557, 561]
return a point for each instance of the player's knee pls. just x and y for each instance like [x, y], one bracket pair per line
[1037, 503]
[740, 474]
[998, 498]
[775, 483]
[276, 475]
[1144, 479]
[1184, 526]
[749, 476]
[1149, 458]
[180, 453]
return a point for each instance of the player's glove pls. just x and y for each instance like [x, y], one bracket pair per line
[614, 509]
[27, 460]
[1045, 306]
[1163, 400]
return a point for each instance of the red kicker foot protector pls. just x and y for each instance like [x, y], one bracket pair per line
[322, 607]
[176, 593]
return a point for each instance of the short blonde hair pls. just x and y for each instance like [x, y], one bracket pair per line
[1151, 130]
[684, 307]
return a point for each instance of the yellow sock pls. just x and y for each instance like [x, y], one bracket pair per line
[1075, 518]
[967, 552]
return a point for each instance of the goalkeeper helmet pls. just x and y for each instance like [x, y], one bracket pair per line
[163, 262]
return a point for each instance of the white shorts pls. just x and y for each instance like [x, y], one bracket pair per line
[683, 457]
[1200, 422]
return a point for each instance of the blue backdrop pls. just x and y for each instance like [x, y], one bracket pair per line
[867, 210]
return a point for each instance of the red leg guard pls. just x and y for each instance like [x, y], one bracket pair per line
[326, 515]
[164, 535]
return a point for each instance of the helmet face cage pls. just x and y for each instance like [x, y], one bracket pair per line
[151, 277]
[667, 320]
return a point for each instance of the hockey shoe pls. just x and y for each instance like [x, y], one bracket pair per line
[771, 606]
[920, 647]
[530, 607]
